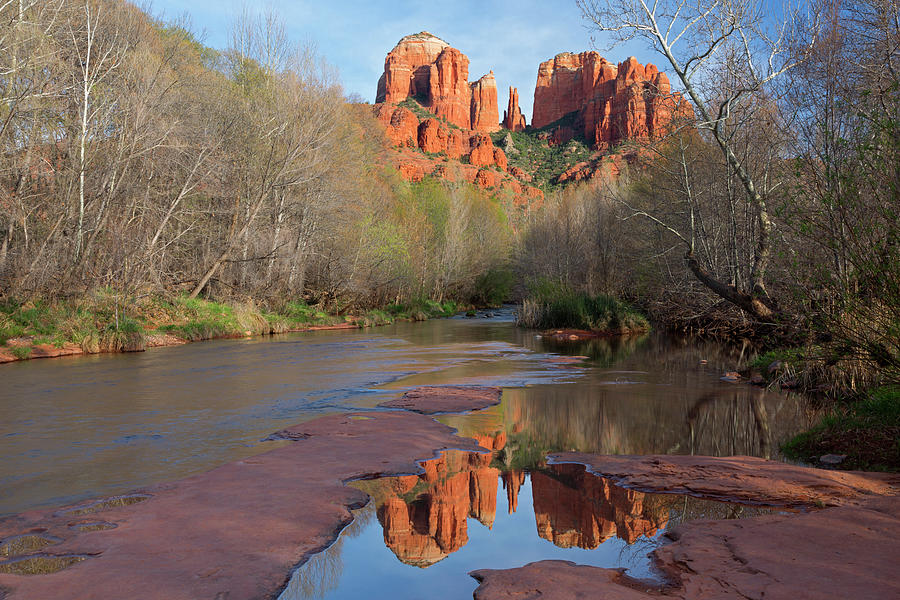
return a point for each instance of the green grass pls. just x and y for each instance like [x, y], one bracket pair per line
[556, 307]
[867, 431]
[103, 321]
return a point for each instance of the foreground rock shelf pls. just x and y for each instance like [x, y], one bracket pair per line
[237, 531]
[847, 551]
[234, 532]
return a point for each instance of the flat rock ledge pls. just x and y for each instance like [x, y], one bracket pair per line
[432, 400]
[737, 478]
[846, 551]
[235, 532]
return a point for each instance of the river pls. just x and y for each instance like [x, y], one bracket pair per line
[82, 427]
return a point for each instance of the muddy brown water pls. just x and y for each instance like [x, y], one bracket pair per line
[82, 427]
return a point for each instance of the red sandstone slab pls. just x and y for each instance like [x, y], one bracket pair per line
[234, 532]
[737, 478]
[832, 554]
[431, 400]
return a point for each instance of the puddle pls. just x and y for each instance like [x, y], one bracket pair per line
[41, 564]
[424, 533]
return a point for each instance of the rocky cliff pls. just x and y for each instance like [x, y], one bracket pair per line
[485, 115]
[426, 68]
[604, 102]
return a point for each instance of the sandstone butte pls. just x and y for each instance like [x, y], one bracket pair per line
[607, 103]
[427, 69]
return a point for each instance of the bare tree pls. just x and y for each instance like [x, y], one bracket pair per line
[726, 59]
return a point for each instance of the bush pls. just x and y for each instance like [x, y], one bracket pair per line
[552, 306]
[493, 287]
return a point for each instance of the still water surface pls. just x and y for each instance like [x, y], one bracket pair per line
[420, 535]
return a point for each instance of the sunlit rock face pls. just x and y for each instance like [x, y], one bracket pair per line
[425, 67]
[485, 115]
[606, 103]
[407, 68]
[573, 508]
[513, 119]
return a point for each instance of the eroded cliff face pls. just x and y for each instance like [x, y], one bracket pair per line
[484, 111]
[452, 142]
[604, 102]
[424, 67]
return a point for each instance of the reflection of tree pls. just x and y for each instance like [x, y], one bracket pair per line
[678, 407]
[602, 351]
[729, 424]
[322, 572]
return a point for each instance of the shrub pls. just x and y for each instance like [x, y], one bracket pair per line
[552, 306]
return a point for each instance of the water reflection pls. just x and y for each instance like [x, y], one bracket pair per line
[421, 534]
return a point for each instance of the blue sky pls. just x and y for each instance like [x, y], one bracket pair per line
[510, 37]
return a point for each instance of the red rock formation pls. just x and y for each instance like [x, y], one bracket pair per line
[486, 178]
[432, 136]
[500, 159]
[485, 115]
[411, 171]
[606, 103]
[425, 67]
[449, 96]
[513, 119]
[512, 483]
[456, 143]
[481, 152]
[434, 524]
[407, 68]
[401, 125]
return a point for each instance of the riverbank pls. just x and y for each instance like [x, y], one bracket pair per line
[860, 427]
[104, 322]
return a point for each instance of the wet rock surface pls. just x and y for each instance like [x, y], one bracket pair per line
[233, 532]
[738, 478]
[430, 400]
[836, 553]
[848, 550]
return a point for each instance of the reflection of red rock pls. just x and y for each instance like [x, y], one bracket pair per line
[455, 486]
[512, 483]
[513, 119]
[610, 103]
[574, 508]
